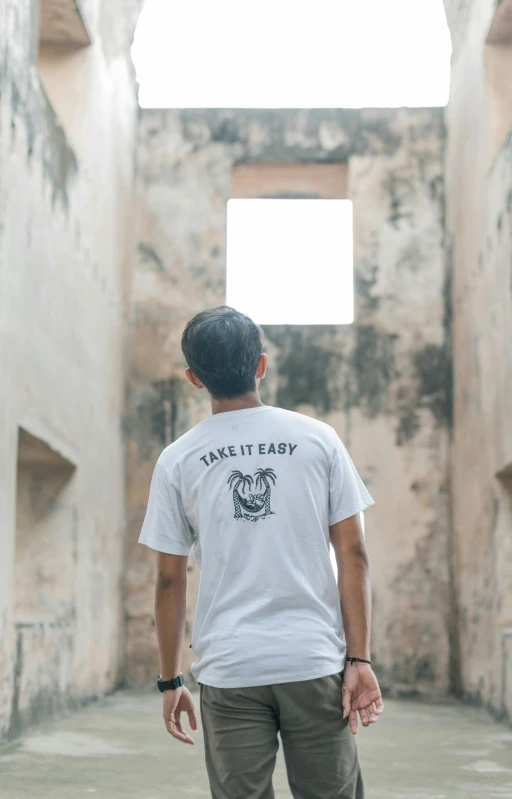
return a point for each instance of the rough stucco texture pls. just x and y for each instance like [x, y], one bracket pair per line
[382, 382]
[64, 241]
[479, 235]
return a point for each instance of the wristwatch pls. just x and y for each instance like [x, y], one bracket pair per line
[170, 685]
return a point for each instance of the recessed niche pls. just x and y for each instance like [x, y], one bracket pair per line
[45, 553]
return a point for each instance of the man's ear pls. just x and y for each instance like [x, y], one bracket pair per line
[191, 377]
[262, 366]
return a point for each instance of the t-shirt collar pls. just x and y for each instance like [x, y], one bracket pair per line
[238, 414]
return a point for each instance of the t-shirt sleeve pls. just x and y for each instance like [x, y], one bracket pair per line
[166, 527]
[348, 494]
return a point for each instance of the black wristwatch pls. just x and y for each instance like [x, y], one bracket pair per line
[170, 685]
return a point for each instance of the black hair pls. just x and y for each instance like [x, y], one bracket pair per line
[222, 347]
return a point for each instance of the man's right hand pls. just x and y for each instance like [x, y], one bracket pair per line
[360, 694]
[175, 703]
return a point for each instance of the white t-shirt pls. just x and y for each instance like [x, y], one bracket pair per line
[253, 492]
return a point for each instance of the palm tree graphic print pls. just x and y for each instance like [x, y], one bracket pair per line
[252, 506]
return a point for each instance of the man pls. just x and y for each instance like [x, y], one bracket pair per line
[259, 492]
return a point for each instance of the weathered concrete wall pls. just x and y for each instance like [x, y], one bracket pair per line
[479, 234]
[65, 238]
[383, 382]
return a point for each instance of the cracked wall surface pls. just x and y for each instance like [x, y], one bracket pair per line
[479, 237]
[383, 382]
[65, 242]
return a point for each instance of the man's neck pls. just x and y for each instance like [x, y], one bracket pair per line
[250, 400]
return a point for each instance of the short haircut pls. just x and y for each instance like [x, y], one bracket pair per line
[222, 347]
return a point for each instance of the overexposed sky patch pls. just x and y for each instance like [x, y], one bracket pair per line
[291, 54]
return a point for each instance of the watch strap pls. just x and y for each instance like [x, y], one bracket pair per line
[170, 685]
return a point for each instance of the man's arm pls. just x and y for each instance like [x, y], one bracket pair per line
[170, 612]
[360, 687]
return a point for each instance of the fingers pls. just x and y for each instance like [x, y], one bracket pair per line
[368, 698]
[175, 728]
[346, 698]
[368, 715]
[192, 719]
[173, 708]
[379, 705]
[186, 737]
[362, 697]
[369, 711]
[352, 722]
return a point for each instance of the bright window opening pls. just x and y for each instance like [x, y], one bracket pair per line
[291, 261]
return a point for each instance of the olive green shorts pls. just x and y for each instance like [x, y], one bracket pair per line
[241, 727]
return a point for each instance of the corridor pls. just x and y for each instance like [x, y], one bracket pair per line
[118, 748]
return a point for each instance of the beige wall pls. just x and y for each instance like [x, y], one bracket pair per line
[479, 236]
[65, 239]
[325, 181]
[381, 382]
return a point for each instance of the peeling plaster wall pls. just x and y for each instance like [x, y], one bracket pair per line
[383, 382]
[479, 235]
[65, 241]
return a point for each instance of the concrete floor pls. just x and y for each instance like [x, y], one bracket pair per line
[119, 748]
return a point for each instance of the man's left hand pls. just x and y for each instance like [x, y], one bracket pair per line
[360, 694]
